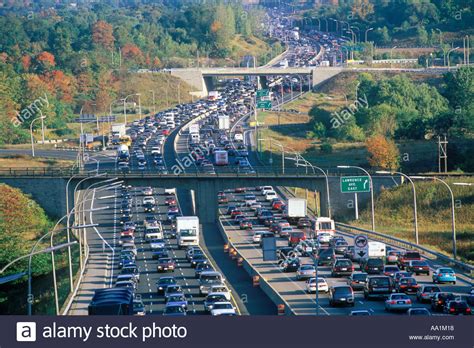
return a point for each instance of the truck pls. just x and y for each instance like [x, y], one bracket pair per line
[224, 122]
[295, 209]
[221, 157]
[118, 130]
[153, 230]
[324, 225]
[213, 95]
[194, 138]
[194, 128]
[123, 154]
[187, 231]
[377, 249]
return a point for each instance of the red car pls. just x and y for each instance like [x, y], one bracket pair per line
[235, 213]
[165, 132]
[407, 285]
[170, 201]
[126, 233]
[245, 224]
[240, 190]
[296, 237]
[406, 257]
[278, 205]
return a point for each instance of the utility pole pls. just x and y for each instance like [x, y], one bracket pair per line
[442, 154]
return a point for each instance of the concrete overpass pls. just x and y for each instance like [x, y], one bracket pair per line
[48, 187]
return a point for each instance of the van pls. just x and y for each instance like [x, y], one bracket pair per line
[378, 286]
[372, 265]
[207, 279]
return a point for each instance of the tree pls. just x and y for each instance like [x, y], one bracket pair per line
[45, 61]
[103, 35]
[132, 52]
[383, 153]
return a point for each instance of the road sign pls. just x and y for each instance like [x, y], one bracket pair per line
[361, 247]
[264, 104]
[355, 184]
[269, 249]
[262, 93]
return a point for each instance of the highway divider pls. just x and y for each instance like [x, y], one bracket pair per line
[256, 276]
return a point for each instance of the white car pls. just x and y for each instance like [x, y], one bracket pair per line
[221, 289]
[324, 237]
[149, 200]
[257, 236]
[265, 189]
[223, 308]
[155, 150]
[157, 243]
[270, 195]
[322, 285]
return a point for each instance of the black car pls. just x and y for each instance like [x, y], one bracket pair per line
[197, 259]
[440, 299]
[457, 308]
[341, 295]
[201, 267]
[372, 265]
[357, 280]
[342, 267]
[290, 265]
[326, 256]
[158, 254]
[378, 286]
[163, 283]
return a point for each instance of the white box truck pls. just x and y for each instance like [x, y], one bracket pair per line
[295, 209]
[194, 128]
[324, 225]
[377, 249]
[118, 130]
[221, 158]
[187, 231]
[224, 122]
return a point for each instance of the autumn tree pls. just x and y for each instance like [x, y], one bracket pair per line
[45, 61]
[383, 153]
[103, 34]
[132, 52]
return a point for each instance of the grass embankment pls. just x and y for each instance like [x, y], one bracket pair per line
[394, 215]
[25, 161]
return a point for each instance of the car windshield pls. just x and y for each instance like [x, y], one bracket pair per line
[446, 270]
[210, 278]
[215, 298]
[399, 297]
[325, 225]
[391, 268]
[374, 262]
[223, 306]
[188, 233]
[167, 281]
[412, 255]
[307, 267]
[175, 309]
[380, 281]
[343, 263]
[408, 281]
[419, 263]
[431, 289]
[342, 290]
[359, 276]
[176, 298]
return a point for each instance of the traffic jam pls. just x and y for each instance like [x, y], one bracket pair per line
[385, 280]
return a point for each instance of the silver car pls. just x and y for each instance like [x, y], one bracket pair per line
[397, 302]
[305, 271]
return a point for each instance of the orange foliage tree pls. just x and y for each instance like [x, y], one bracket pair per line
[131, 51]
[45, 61]
[103, 34]
[383, 153]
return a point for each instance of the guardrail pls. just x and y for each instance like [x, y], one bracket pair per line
[266, 287]
[377, 236]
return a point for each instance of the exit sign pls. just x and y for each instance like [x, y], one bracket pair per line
[355, 184]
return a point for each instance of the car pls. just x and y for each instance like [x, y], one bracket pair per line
[322, 285]
[270, 195]
[240, 189]
[223, 308]
[235, 213]
[360, 312]
[377, 286]
[163, 283]
[342, 267]
[126, 284]
[324, 237]
[372, 265]
[426, 292]
[245, 224]
[147, 191]
[149, 200]
[457, 307]
[305, 271]
[284, 229]
[170, 201]
[397, 302]
[177, 299]
[198, 258]
[172, 290]
[418, 267]
[399, 275]
[357, 280]
[418, 311]
[340, 247]
[341, 294]
[174, 311]
[207, 280]
[255, 206]
[173, 209]
[230, 209]
[138, 306]
[221, 289]
[290, 264]
[257, 236]
[326, 256]
[304, 223]
[265, 189]
[440, 299]
[214, 297]
[407, 256]
[249, 199]
[390, 270]
[407, 285]
[444, 275]
[201, 267]
[159, 253]
[392, 256]
[165, 264]
[157, 243]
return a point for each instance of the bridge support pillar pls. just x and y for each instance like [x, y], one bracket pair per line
[206, 201]
[262, 82]
[209, 83]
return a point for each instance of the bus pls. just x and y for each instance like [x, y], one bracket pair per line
[126, 140]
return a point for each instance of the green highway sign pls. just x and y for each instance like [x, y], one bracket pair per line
[263, 93]
[355, 184]
[264, 104]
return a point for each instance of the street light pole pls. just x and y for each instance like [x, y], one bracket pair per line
[371, 190]
[366, 32]
[42, 125]
[31, 132]
[453, 218]
[447, 58]
[415, 213]
[391, 55]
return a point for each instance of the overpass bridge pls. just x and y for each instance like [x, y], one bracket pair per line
[48, 186]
